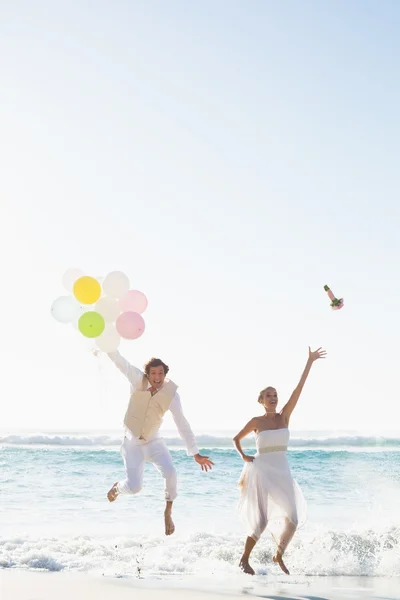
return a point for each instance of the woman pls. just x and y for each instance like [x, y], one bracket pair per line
[269, 495]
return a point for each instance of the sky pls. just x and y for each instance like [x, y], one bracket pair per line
[231, 158]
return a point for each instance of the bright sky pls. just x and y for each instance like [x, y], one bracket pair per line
[231, 158]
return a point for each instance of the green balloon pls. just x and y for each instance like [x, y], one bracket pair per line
[91, 324]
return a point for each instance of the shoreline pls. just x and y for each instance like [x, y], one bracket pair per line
[20, 584]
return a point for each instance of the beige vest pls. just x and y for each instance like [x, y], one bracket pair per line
[145, 412]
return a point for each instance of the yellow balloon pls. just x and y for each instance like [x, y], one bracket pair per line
[87, 290]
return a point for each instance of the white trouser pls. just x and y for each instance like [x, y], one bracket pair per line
[135, 456]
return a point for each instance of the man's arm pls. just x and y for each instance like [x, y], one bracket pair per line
[184, 429]
[186, 433]
[134, 374]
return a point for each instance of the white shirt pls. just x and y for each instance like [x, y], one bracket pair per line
[135, 377]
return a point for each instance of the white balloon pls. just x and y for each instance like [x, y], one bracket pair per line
[109, 308]
[116, 284]
[109, 340]
[70, 277]
[63, 309]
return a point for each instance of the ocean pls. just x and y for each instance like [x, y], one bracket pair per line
[55, 515]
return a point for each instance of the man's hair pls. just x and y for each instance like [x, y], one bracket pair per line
[155, 362]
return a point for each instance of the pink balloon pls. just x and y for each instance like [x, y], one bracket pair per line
[130, 325]
[133, 301]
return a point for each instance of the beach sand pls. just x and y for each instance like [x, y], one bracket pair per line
[30, 585]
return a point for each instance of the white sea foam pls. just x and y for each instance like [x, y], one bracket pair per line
[209, 441]
[328, 553]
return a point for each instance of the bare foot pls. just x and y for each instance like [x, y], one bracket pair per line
[113, 493]
[278, 560]
[169, 524]
[246, 568]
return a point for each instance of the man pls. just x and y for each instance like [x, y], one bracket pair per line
[151, 396]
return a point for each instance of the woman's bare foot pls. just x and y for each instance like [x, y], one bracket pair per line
[169, 524]
[113, 493]
[246, 568]
[278, 560]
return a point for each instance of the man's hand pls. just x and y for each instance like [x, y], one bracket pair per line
[204, 462]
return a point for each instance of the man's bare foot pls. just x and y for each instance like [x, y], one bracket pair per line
[113, 493]
[169, 524]
[278, 560]
[246, 568]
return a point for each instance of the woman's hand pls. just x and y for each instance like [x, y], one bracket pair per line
[315, 354]
[247, 458]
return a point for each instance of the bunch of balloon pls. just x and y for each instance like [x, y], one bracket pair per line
[104, 309]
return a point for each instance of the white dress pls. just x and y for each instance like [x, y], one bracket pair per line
[270, 497]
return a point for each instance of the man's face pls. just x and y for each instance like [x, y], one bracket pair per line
[156, 377]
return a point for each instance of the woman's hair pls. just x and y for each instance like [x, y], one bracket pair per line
[155, 362]
[260, 395]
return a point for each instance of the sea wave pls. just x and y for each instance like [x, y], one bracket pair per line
[205, 441]
[328, 553]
